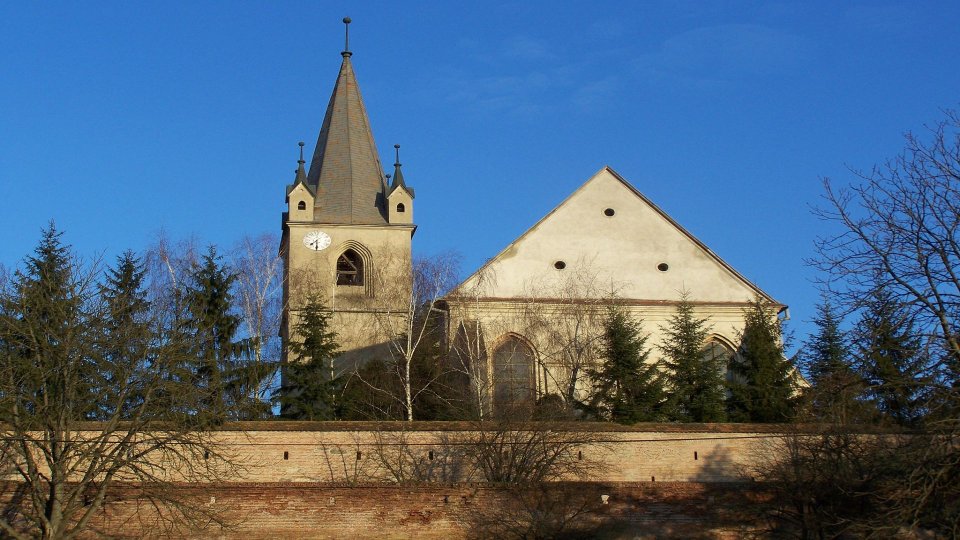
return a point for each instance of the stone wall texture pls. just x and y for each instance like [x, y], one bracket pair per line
[338, 480]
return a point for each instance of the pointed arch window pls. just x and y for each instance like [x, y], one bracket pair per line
[717, 353]
[350, 268]
[514, 383]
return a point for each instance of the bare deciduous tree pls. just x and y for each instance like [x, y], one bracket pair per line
[259, 269]
[900, 233]
[417, 325]
[566, 321]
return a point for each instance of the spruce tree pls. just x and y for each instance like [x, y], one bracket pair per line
[45, 331]
[221, 370]
[835, 384]
[760, 384]
[125, 345]
[310, 387]
[627, 388]
[891, 359]
[695, 381]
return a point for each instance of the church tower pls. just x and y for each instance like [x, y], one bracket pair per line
[346, 231]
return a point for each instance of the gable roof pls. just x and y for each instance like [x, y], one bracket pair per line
[627, 249]
[345, 171]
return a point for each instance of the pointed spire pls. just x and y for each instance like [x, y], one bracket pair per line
[301, 174]
[397, 173]
[345, 168]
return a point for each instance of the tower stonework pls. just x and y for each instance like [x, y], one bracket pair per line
[347, 233]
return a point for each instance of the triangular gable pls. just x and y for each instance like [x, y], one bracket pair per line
[622, 252]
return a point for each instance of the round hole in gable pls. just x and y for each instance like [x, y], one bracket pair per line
[559, 265]
[663, 267]
[609, 212]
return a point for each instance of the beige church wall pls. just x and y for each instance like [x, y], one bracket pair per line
[620, 253]
[553, 329]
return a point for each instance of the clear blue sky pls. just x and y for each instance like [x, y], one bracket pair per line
[118, 119]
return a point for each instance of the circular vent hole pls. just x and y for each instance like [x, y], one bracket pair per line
[559, 265]
[609, 212]
[663, 267]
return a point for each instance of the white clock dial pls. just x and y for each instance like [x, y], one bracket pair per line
[316, 240]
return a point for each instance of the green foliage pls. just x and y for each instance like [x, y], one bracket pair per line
[70, 351]
[627, 388]
[761, 385]
[49, 362]
[892, 360]
[834, 396]
[695, 382]
[125, 345]
[222, 367]
[310, 388]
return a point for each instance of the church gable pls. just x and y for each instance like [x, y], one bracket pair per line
[608, 237]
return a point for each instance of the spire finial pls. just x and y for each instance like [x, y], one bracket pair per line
[397, 148]
[301, 153]
[346, 37]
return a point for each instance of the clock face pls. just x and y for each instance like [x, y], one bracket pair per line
[316, 240]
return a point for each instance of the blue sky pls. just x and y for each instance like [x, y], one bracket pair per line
[119, 119]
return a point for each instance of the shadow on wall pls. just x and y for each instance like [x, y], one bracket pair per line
[718, 466]
[592, 510]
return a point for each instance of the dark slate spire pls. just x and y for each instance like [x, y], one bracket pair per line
[301, 174]
[345, 169]
[398, 174]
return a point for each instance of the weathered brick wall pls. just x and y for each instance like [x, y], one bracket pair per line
[309, 510]
[323, 480]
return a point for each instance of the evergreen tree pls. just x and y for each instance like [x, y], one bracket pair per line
[626, 388]
[836, 385]
[695, 381]
[45, 329]
[760, 383]
[125, 344]
[891, 359]
[310, 387]
[223, 370]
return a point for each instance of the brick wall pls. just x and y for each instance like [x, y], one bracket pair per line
[697, 454]
[302, 510]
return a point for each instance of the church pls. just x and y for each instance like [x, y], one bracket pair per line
[526, 325]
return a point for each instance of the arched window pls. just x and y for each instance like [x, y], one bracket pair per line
[350, 268]
[513, 375]
[302, 205]
[401, 208]
[718, 353]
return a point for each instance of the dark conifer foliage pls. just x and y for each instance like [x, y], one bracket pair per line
[627, 388]
[223, 368]
[695, 382]
[760, 381]
[70, 351]
[836, 387]
[310, 389]
[892, 360]
[46, 336]
[126, 344]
